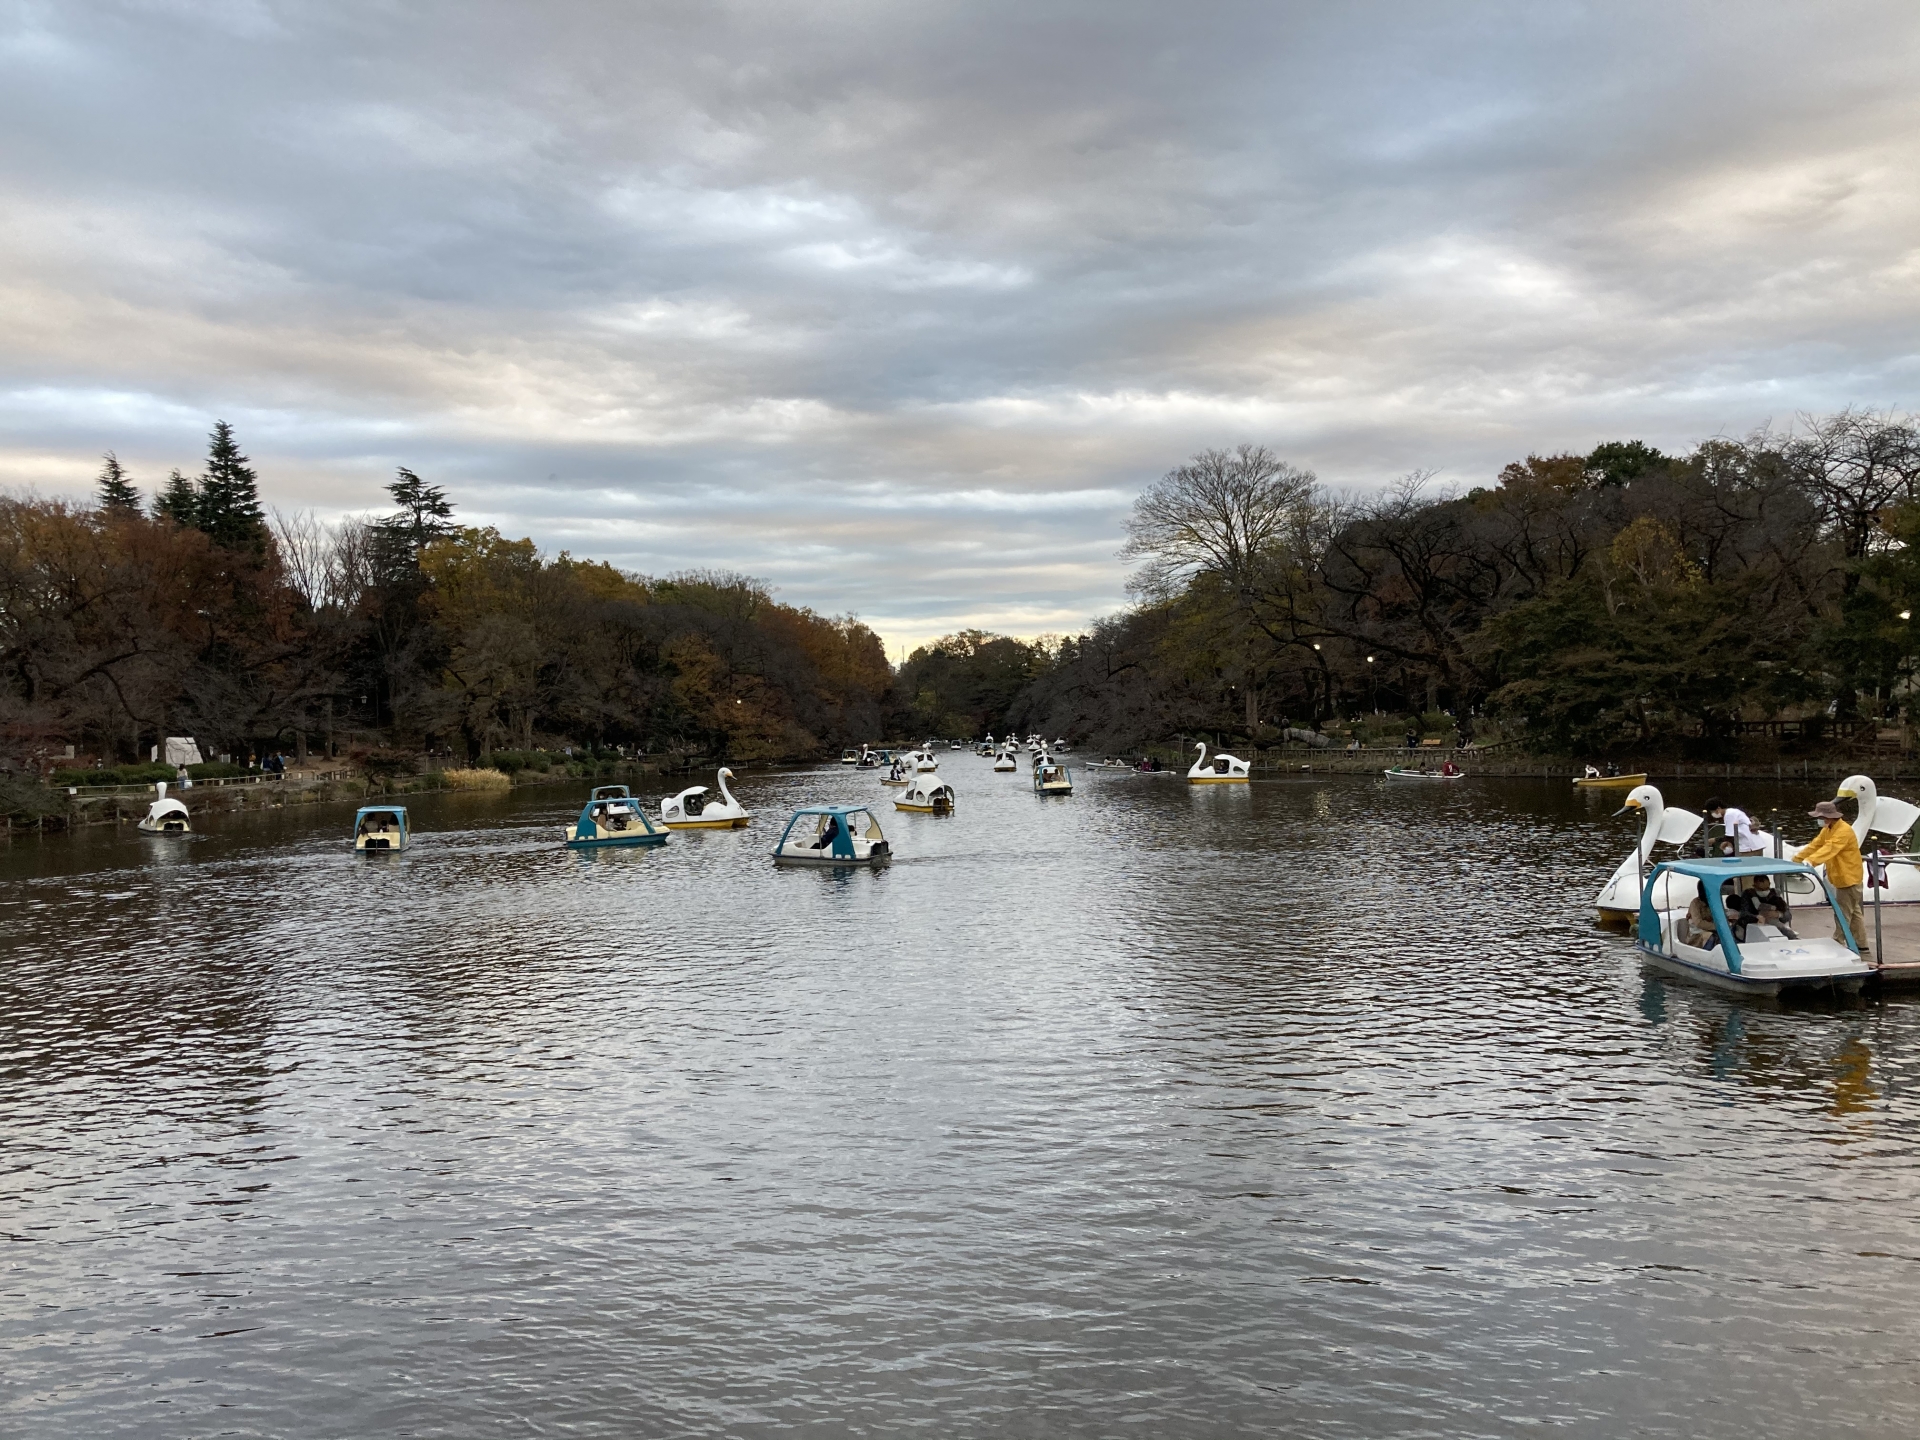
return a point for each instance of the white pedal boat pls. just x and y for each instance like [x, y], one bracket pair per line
[1223, 769]
[164, 816]
[926, 795]
[691, 810]
[1768, 962]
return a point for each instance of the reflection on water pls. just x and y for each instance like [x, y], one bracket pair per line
[1314, 1107]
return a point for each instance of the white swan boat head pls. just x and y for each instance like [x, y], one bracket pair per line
[691, 810]
[926, 795]
[380, 828]
[832, 835]
[166, 817]
[1878, 813]
[1223, 769]
[1620, 897]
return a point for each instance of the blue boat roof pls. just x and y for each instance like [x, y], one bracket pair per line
[376, 809]
[830, 809]
[1730, 868]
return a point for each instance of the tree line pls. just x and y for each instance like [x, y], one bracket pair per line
[1621, 600]
[198, 613]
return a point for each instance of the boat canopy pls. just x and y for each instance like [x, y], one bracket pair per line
[1711, 873]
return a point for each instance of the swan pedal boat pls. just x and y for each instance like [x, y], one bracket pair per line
[926, 795]
[690, 810]
[1769, 961]
[832, 835]
[164, 816]
[613, 820]
[1005, 761]
[1400, 774]
[1610, 782]
[380, 829]
[1223, 769]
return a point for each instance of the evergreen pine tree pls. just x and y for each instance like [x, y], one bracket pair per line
[229, 509]
[425, 515]
[424, 509]
[117, 495]
[179, 501]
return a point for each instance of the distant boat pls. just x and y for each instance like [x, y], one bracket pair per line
[690, 810]
[1050, 777]
[166, 817]
[379, 829]
[1611, 782]
[1223, 769]
[926, 795]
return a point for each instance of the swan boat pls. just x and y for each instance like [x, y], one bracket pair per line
[614, 820]
[926, 795]
[1768, 960]
[1619, 898]
[691, 810]
[1050, 777]
[164, 816]
[1879, 814]
[1005, 761]
[379, 829]
[832, 835]
[1223, 769]
[924, 760]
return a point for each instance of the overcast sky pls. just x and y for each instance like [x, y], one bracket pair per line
[898, 305]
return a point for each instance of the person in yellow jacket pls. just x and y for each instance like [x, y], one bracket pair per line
[1836, 848]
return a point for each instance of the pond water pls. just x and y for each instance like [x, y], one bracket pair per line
[1312, 1107]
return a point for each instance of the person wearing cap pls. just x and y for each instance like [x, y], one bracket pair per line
[1836, 848]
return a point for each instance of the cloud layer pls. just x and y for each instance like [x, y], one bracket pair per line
[898, 306]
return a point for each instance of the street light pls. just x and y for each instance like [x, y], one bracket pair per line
[1906, 614]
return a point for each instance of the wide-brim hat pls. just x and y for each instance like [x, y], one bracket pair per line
[1826, 810]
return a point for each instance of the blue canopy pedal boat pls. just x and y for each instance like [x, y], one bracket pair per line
[1769, 960]
[380, 829]
[609, 819]
[1050, 777]
[832, 835]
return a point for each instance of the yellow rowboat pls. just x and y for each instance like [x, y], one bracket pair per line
[1610, 782]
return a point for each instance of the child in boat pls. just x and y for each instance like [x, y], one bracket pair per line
[1770, 906]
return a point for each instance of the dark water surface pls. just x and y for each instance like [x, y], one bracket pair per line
[1318, 1108]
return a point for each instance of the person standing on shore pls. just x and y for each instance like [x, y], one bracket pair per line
[1836, 848]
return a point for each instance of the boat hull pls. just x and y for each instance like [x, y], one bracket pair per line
[735, 822]
[1610, 782]
[1420, 775]
[610, 842]
[1216, 779]
[176, 828]
[1682, 968]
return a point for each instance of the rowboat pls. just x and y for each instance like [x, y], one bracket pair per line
[1400, 774]
[1611, 782]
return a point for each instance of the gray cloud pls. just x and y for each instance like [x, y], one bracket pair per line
[897, 305]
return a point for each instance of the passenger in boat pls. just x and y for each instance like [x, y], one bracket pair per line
[1742, 910]
[1593, 772]
[1836, 848]
[830, 834]
[1770, 907]
[1447, 767]
[1700, 928]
